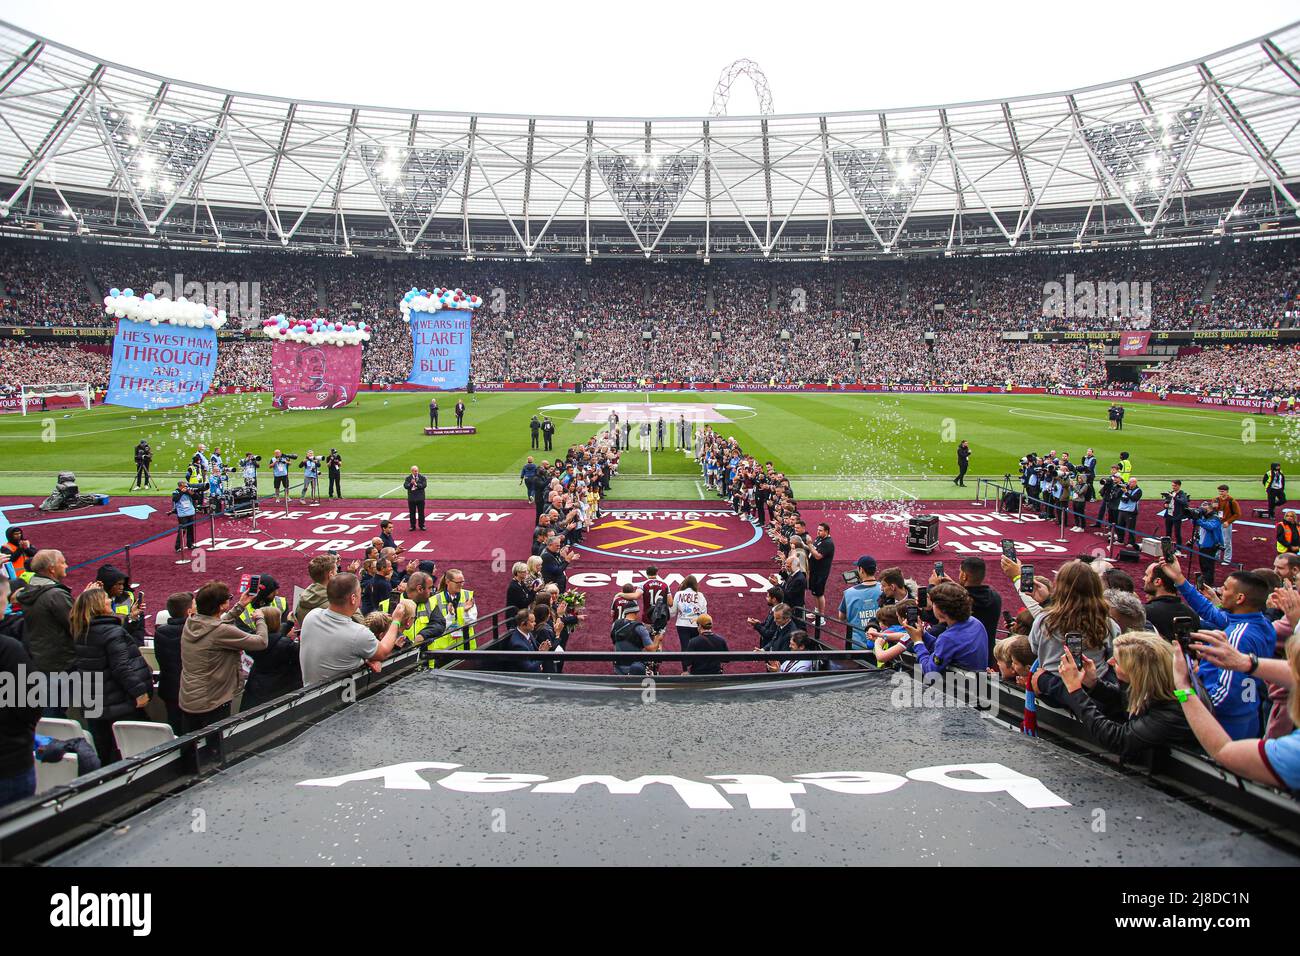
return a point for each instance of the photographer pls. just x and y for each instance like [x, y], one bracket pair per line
[1081, 493]
[280, 475]
[861, 601]
[334, 463]
[1177, 506]
[1129, 502]
[1112, 486]
[143, 459]
[1209, 539]
[184, 507]
[310, 477]
[629, 634]
[248, 466]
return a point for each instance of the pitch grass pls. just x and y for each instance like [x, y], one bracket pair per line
[833, 446]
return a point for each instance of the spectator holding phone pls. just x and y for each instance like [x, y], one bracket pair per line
[986, 603]
[1234, 696]
[1272, 762]
[212, 644]
[963, 642]
[1163, 604]
[1079, 609]
[1143, 664]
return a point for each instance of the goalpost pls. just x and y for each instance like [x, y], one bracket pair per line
[38, 393]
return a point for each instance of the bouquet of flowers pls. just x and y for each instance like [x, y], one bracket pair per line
[574, 601]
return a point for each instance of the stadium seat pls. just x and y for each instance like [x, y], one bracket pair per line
[150, 657]
[50, 775]
[137, 736]
[60, 728]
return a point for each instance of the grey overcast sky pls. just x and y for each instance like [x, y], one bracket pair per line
[653, 57]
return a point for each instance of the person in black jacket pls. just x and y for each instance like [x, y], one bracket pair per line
[963, 463]
[767, 627]
[705, 640]
[1177, 505]
[1163, 602]
[104, 648]
[276, 670]
[518, 593]
[1144, 664]
[415, 484]
[167, 648]
[986, 603]
[17, 724]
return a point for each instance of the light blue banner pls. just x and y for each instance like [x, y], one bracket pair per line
[440, 347]
[160, 366]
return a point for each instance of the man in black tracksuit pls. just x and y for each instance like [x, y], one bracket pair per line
[535, 428]
[963, 462]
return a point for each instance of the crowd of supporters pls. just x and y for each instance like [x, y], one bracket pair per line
[1264, 371]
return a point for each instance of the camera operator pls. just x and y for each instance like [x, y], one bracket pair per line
[1112, 487]
[184, 507]
[334, 462]
[1209, 539]
[310, 477]
[143, 459]
[1081, 493]
[1177, 508]
[248, 468]
[280, 475]
[1129, 502]
[629, 634]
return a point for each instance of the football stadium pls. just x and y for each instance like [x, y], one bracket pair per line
[650, 490]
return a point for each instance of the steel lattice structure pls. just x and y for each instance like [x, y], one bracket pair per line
[97, 148]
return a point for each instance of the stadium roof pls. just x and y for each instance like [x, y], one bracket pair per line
[104, 149]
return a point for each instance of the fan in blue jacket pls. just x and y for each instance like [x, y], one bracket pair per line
[1235, 697]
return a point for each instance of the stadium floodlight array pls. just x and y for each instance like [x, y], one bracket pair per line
[885, 182]
[648, 189]
[411, 183]
[157, 156]
[1143, 155]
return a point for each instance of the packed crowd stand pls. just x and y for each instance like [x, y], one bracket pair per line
[893, 304]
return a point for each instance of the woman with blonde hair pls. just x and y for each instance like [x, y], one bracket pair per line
[1276, 761]
[519, 593]
[103, 647]
[1144, 664]
[1078, 607]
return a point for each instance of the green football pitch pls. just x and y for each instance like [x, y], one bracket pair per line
[833, 446]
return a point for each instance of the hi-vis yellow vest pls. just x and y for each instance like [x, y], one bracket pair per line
[419, 621]
[453, 637]
[124, 605]
[246, 615]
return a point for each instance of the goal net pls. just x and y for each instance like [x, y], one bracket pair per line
[36, 395]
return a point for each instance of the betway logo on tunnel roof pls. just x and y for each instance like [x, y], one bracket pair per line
[669, 534]
[761, 791]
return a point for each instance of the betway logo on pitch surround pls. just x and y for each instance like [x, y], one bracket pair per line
[760, 791]
[669, 534]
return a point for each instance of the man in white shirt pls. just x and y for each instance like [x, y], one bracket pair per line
[334, 645]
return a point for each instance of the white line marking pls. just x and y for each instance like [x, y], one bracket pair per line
[699, 490]
[1087, 418]
[391, 490]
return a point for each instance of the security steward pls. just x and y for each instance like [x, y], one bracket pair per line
[268, 595]
[428, 623]
[456, 602]
[122, 602]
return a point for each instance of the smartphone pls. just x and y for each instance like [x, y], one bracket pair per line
[1008, 620]
[254, 583]
[1200, 581]
[921, 594]
[938, 568]
[913, 614]
[1167, 550]
[1009, 549]
[1074, 644]
[1182, 626]
[850, 577]
[1026, 579]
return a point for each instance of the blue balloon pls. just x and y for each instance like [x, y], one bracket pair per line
[128, 293]
[115, 292]
[148, 296]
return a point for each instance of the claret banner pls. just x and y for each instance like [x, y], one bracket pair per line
[160, 366]
[440, 343]
[306, 375]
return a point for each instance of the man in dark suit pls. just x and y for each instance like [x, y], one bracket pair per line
[460, 414]
[415, 484]
[433, 413]
[520, 638]
[963, 462]
[783, 617]
[535, 428]
[767, 627]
